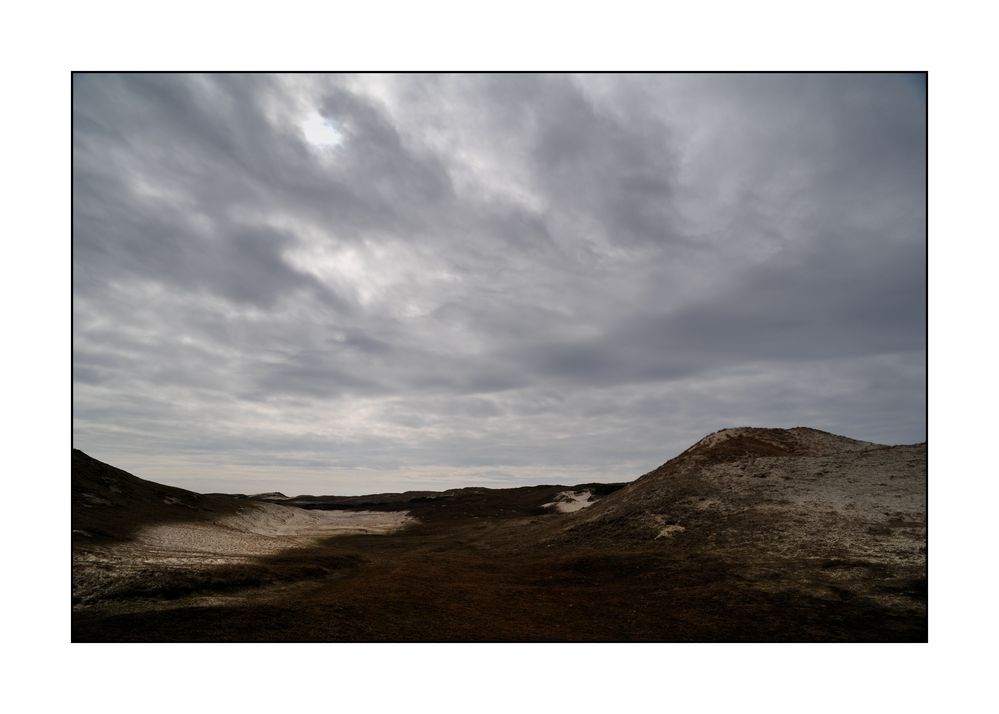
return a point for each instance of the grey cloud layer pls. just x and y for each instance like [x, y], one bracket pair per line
[489, 278]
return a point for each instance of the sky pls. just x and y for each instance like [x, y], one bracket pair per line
[346, 284]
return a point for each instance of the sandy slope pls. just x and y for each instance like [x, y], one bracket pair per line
[264, 528]
[166, 553]
[798, 504]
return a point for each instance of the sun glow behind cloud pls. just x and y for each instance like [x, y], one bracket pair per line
[320, 132]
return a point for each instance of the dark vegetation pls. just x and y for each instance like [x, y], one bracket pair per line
[468, 583]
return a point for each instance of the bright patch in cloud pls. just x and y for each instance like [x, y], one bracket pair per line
[321, 132]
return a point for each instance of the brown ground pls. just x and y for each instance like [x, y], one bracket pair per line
[761, 560]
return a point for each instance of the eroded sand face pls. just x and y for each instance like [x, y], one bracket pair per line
[571, 501]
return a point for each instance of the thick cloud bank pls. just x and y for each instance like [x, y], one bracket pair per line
[346, 284]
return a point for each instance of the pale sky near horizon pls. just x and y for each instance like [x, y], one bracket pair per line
[360, 283]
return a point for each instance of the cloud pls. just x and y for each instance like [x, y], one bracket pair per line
[488, 278]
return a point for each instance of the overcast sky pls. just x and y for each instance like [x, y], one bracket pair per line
[359, 283]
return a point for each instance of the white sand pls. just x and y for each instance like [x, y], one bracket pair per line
[570, 501]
